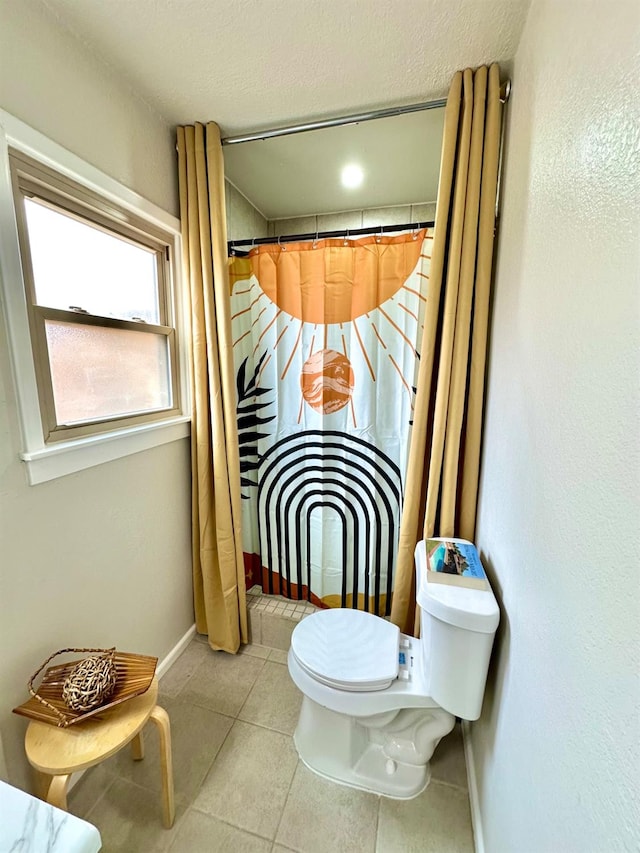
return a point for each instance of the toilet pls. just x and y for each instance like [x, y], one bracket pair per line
[376, 702]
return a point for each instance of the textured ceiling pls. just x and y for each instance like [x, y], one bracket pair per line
[257, 63]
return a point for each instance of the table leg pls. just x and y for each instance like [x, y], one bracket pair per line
[57, 794]
[137, 746]
[161, 720]
[41, 782]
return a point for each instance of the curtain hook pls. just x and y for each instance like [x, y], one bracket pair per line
[379, 237]
[315, 241]
[346, 237]
[282, 248]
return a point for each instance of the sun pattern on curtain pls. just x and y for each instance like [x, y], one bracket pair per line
[325, 345]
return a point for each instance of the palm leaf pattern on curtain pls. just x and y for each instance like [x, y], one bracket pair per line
[249, 421]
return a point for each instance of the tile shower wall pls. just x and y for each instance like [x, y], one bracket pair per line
[370, 217]
[243, 219]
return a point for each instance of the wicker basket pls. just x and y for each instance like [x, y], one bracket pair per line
[134, 674]
[91, 682]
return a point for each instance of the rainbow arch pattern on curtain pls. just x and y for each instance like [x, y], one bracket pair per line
[325, 345]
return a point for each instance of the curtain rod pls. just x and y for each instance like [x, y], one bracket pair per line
[323, 235]
[335, 122]
[338, 121]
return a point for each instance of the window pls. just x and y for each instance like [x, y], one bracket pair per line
[98, 294]
[96, 319]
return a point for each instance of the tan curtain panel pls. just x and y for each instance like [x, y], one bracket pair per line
[444, 456]
[218, 568]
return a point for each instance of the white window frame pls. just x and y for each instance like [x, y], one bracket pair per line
[47, 461]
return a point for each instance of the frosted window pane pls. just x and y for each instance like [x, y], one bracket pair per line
[75, 264]
[99, 372]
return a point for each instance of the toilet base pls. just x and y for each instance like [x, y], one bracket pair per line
[387, 754]
[359, 780]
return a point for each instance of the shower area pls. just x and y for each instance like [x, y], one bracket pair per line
[329, 268]
[339, 335]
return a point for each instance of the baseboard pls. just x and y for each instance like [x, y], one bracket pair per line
[175, 652]
[472, 783]
[161, 668]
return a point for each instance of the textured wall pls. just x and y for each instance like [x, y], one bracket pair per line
[101, 557]
[55, 84]
[556, 750]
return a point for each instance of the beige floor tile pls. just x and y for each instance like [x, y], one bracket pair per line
[438, 821]
[255, 651]
[89, 788]
[201, 833]
[196, 734]
[177, 676]
[447, 764]
[130, 819]
[255, 625]
[222, 682]
[276, 631]
[320, 816]
[249, 781]
[274, 700]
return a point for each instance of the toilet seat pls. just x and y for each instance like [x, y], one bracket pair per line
[347, 649]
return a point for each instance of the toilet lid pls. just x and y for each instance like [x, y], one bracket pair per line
[347, 649]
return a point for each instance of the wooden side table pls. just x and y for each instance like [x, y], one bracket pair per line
[56, 753]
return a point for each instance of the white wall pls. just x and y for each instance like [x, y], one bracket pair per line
[557, 748]
[53, 83]
[101, 557]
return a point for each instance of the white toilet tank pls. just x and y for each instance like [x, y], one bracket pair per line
[459, 617]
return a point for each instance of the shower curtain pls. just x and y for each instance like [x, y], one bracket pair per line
[325, 345]
[444, 456]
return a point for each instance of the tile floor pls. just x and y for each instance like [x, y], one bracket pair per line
[272, 618]
[240, 786]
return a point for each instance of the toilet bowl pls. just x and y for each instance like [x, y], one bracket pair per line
[376, 702]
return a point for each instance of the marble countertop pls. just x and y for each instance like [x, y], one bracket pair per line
[28, 825]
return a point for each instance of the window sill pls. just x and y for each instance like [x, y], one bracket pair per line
[62, 458]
